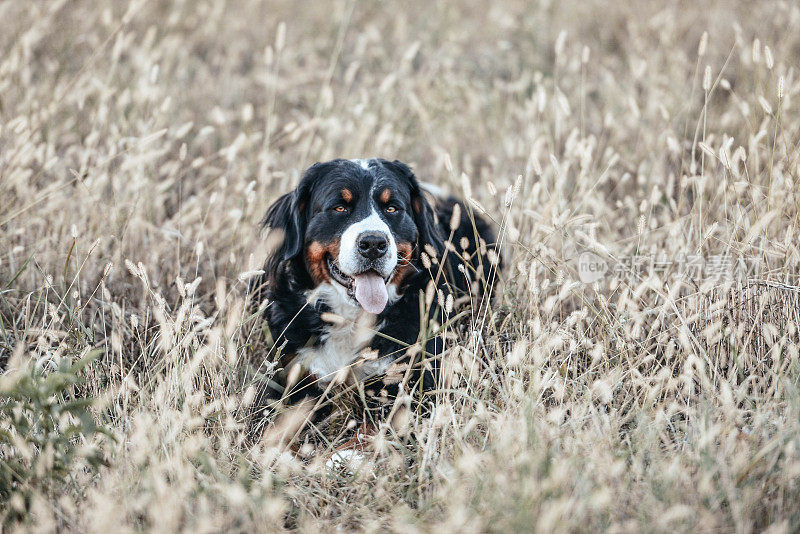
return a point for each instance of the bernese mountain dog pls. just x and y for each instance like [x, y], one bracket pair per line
[367, 266]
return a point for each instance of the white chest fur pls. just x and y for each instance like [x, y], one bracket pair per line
[347, 334]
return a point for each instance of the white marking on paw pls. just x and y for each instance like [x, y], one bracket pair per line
[349, 460]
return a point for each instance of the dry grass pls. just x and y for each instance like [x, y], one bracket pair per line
[140, 143]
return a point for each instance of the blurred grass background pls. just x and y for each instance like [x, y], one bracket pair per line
[141, 141]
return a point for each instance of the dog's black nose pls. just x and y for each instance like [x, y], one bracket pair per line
[372, 245]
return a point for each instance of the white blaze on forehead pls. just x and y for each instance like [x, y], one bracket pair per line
[349, 257]
[364, 163]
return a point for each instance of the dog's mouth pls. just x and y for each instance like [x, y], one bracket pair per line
[367, 288]
[347, 281]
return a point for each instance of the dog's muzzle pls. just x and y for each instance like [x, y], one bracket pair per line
[367, 259]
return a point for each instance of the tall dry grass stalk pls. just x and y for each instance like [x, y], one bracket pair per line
[140, 143]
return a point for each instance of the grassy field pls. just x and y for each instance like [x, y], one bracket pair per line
[657, 142]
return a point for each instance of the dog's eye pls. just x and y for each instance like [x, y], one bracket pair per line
[340, 209]
[391, 209]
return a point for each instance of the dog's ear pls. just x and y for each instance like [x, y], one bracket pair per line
[289, 216]
[284, 217]
[422, 211]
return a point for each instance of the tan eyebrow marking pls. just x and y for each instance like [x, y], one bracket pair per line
[386, 194]
[347, 195]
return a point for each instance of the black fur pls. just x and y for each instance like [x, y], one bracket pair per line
[302, 218]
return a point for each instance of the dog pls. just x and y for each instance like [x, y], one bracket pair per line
[365, 257]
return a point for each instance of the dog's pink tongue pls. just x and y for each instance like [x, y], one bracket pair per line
[371, 292]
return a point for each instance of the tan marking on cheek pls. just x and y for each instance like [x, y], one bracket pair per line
[386, 194]
[347, 195]
[316, 254]
[404, 268]
[404, 250]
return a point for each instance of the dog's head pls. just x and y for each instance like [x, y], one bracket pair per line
[357, 224]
